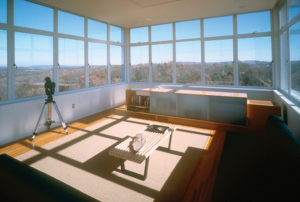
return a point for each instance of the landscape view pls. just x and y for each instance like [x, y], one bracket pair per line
[251, 73]
[29, 81]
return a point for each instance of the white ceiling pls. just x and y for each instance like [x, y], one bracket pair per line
[135, 13]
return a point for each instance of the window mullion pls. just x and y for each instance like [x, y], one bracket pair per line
[202, 54]
[55, 52]
[10, 52]
[235, 53]
[108, 56]
[86, 53]
[150, 55]
[174, 55]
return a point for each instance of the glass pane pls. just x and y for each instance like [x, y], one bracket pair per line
[295, 58]
[3, 12]
[71, 61]
[283, 62]
[3, 65]
[117, 63]
[70, 24]
[34, 16]
[187, 29]
[220, 26]
[294, 8]
[188, 62]
[282, 15]
[34, 61]
[97, 64]
[116, 34]
[162, 32]
[254, 22]
[97, 30]
[162, 63]
[138, 35]
[139, 60]
[255, 61]
[219, 62]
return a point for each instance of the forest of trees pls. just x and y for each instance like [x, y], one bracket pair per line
[251, 73]
[30, 81]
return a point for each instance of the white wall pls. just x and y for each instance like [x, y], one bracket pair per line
[18, 120]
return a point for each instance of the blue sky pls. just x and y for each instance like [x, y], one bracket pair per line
[3, 11]
[295, 39]
[97, 54]
[33, 49]
[3, 48]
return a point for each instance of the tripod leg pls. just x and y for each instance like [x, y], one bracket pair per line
[60, 118]
[38, 122]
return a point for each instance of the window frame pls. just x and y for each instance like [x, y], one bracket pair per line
[286, 28]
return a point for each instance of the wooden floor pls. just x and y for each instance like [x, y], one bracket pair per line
[201, 184]
[24, 145]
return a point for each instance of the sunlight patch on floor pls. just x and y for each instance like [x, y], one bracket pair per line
[63, 140]
[88, 183]
[28, 155]
[124, 129]
[87, 148]
[161, 165]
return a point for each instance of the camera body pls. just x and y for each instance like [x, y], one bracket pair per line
[49, 89]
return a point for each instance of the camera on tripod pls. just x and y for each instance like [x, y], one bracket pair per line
[49, 90]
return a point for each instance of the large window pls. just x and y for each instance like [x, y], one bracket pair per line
[289, 12]
[220, 26]
[188, 62]
[255, 61]
[162, 32]
[187, 29]
[33, 62]
[71, 64]
[70, 24]
[72, 50]
[97, 30]
[254, 22]
[139, 60]
[116, 63]
[139, 35]
[219, 62]
[3, 65]
[3, 12]
[162, 63]
[97, 64]
[295, 58]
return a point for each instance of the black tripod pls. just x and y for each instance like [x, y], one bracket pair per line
[49, 117]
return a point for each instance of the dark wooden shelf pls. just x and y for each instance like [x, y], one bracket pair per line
[138, 106]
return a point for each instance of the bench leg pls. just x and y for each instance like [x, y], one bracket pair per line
[146, 168]
[133, 174]
[170, 138]
[122, 164]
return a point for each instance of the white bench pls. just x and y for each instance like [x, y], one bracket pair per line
[152, 141]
